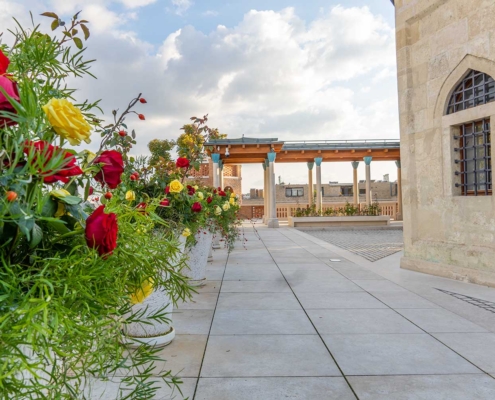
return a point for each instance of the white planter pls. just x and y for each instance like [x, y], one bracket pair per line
[198, 258]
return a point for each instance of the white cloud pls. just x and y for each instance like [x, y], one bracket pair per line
[210, 13]
[181, 6]
[271, 75]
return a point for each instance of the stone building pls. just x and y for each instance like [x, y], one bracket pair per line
[232, 176]
[446, 66]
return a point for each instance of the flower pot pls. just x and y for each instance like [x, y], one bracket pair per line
[198, 258]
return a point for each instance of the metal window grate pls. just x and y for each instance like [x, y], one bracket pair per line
[484, 304]
[475, 159]
[476, 89]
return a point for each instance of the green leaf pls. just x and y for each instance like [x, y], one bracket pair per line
[49, 207]
[72, 188]
[36, 236]
[78, 42]
[59, 226]
[85, 30]
[50, 14]
[55, 24]
[71, 200]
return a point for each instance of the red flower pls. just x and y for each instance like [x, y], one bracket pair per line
[165, 202]
[111, 168]
[190, 190]
[101, 231]
[45, 150]
[141, 117]
[10, 88]
[4, 63]
[141, 206]
[196, 207]
[222, 193]
[167, 190]
[209, 200]
[91, 190]
[141, 100]
[182, 162]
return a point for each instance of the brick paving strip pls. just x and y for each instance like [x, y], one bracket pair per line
[372, 244]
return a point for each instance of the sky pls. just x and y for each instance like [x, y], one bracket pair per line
[290, 69]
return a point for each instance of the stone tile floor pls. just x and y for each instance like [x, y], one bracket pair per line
[279, 320]
[372, 244]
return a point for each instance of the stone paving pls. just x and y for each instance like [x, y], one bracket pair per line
[278, 320]
[372, 244]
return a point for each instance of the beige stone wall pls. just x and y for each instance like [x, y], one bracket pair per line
[438, 42]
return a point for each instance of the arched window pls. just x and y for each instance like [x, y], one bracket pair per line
[475, 89]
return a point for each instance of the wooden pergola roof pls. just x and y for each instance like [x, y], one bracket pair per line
[253, 150]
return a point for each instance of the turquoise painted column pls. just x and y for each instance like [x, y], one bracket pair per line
[215, 157]
[318, 161]
[272, 220]
[355, 188]
[399, 191]
[310, 183]
[265, 193]
[367, 161]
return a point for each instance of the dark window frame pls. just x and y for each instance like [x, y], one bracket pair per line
[476, 89]
[299, 191]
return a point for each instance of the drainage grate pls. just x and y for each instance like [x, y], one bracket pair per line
[484, 304]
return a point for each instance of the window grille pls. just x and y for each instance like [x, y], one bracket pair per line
[476, 89]
[475, 159]
[294, 192]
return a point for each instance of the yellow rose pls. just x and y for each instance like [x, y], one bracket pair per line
[186, 232]
[201, 196]
[130, 195]
[59, 193]
[218, 210]
[67, 121]
[208, 194]
[144, 291]
[226, 206]
[232, 195]
[176, 186]
[60, 210]
[232, 201]
[195, 187]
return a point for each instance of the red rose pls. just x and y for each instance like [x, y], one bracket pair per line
[46, 151]
[4, 63]
[10, 88]
[112, 167]
[222, 193]
[141, 206]
[196, 207]
[101, 231]
[182, 162]
[91, 190]
[190, 190]
[165, 202]
[167, 190]
[209, 200]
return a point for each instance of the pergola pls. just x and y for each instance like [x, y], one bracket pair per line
[265, 151]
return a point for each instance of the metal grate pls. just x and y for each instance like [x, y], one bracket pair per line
[484, 304]
[476, 89]
[475, 158]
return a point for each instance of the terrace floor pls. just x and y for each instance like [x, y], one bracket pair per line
[281, 319]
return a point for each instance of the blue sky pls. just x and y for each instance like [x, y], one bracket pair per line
[281, 68]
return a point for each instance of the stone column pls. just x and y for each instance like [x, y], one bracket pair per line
[273, 220]
[399, 191]
[367, 161]
[318, 161]
[355, 188]
[216, 159]
[220, 175]
[265, 193]
[310, 182]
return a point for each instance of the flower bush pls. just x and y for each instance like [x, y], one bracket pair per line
[76, 251]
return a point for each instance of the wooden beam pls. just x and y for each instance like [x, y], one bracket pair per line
[385, 150]
[336, 151]
[369, 150]
[353, 151]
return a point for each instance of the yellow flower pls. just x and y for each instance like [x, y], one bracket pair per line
[176, 186]
[232, 201]
[208, 194]
[60, 210]
[195, 187]
[218, 210]
[130, 195]
[144, 291]
[201, 196]
[68, 121]
[59, 193]
[232, 195]
[186, 232]
[89, 156]
[226, 206]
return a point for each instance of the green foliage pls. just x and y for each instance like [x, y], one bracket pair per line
[348, 210]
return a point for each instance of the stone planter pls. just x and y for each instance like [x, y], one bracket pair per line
[321, 222]
[198, 258]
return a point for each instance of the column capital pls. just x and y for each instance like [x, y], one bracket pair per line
[263, 164]
[397, 163]
[367, 160]
[271, 156]
[215, 157]
[355, 164]
[318, 161]
[311, 165]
